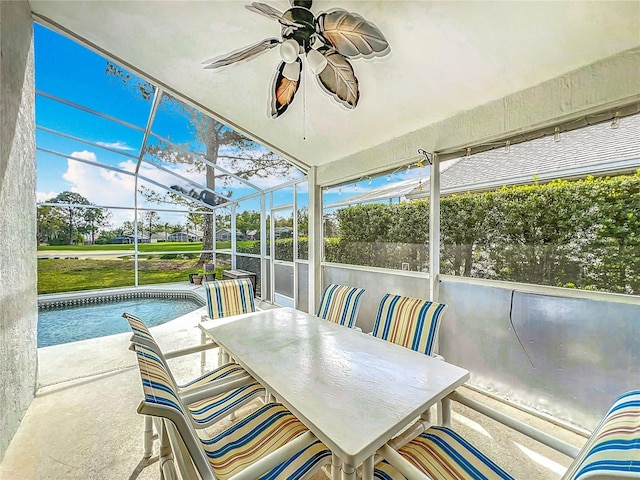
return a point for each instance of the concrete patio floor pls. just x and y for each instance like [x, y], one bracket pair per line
[83, 423]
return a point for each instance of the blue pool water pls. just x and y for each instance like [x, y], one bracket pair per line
[79, 322]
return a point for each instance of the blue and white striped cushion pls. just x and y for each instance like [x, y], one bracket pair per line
[443, 454]
[614, 448]
[262, 432]
[247, 441]
[339, 304]
[142, 335]
[410, 322]
[229, 297]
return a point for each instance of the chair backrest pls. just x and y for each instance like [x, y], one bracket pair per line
[161, 399]
[142, 336]
[613, 450]
[410, 322]
[229, 297]
[340, 303]
[141, 333]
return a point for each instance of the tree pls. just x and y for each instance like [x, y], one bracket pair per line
[68, 213]
[128, 228]
[211, 142]
[150, 222]
[248, 221]
[95, 220]
[50, 225]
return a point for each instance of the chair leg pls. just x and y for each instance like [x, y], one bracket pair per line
[148, 437]
[203, 354]
[167, 466]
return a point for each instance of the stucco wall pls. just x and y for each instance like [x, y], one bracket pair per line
[18, 298]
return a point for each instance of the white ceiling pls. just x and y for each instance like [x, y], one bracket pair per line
[446, 57]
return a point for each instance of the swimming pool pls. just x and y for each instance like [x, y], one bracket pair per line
[79, 319]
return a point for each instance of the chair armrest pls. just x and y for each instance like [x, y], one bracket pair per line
[215, 388]
[189, 350]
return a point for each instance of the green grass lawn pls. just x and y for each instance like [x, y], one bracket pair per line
[73, 274]
[143, 247]
[67, 275]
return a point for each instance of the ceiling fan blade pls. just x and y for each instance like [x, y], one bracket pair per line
[270, 12]
[284, 89]
[243, 54]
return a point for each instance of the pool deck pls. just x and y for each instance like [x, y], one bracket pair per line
[83, 423]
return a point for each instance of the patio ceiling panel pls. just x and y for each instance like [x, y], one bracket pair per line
[447, 59]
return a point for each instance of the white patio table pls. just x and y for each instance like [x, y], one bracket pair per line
[351, 390]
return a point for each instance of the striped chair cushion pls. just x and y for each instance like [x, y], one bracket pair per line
[142, 335]
[224, 371]
[443, 454]
[265, 430]
[209, 411]
[384, 471]
[140, 331]
[339, 304]
[410, 322]
[229, 297]
[614, 448]
[250, 439]
[157, 384]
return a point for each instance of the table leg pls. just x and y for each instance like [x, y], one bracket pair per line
[336, 463]
[367, 469]
[223, 357]
[348, 472]
[446, 412]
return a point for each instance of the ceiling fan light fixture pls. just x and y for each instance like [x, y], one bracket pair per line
[328, 41]
[289, 50]
[317, 62]
[291, 71]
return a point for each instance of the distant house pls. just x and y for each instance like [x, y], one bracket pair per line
[283, 232]
[128, 239]
[183, 237]
[158, 237]
[224, 235]
[122, 239]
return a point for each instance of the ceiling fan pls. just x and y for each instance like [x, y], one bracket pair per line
[325, 42]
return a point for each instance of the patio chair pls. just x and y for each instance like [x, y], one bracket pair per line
[210, 397]
[409, 322]
[269, 443]
[224, 299]
[229, 297]
[339, 304]
[612, 451]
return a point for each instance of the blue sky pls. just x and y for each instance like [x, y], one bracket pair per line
[69, 71]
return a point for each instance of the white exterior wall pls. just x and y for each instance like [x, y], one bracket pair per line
[18, 269]
[611, 82]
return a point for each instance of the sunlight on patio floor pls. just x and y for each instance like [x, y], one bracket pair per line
[83, 422]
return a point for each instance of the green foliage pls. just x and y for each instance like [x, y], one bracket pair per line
[582, 234]
[66, 223]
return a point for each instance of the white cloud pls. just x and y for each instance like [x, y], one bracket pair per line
[43, 197]
[116, 145]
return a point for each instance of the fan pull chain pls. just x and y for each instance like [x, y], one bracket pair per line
[304, 102]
